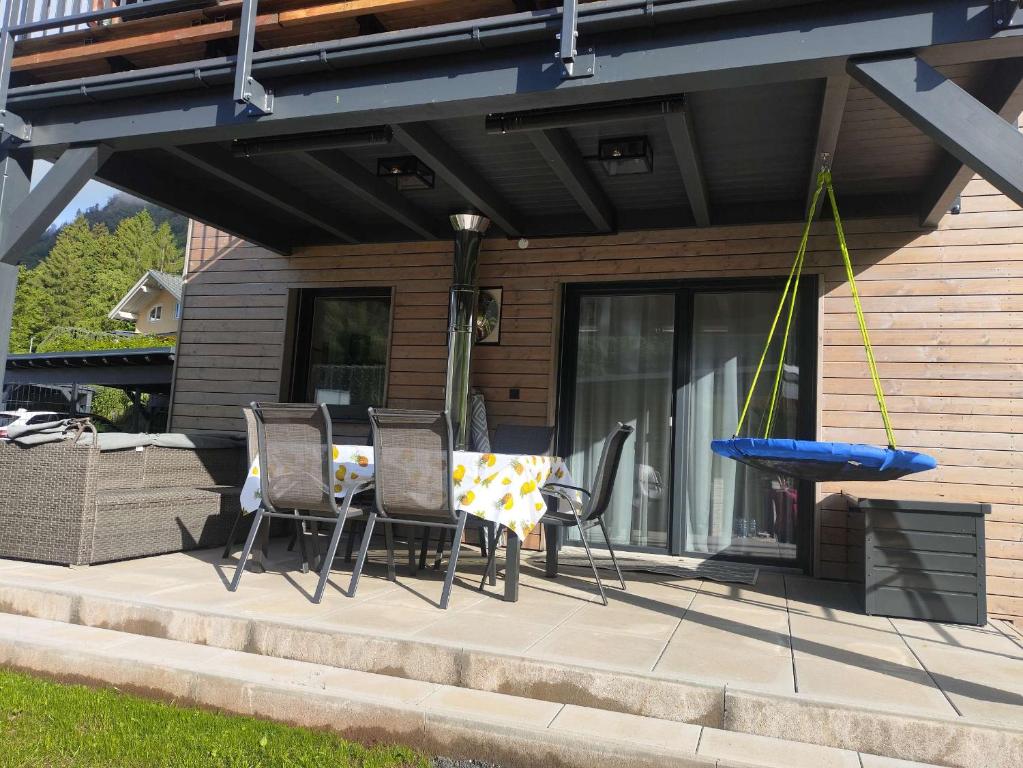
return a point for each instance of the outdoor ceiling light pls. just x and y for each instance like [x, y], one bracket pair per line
[625, 156]
[407, 172]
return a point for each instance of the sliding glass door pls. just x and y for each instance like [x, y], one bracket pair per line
[675, 361]
[624, 371]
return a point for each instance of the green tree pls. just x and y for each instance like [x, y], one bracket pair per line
[86, 273]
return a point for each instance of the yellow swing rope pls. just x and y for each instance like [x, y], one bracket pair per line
[823, 181]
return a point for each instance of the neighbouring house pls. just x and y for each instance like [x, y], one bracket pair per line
[644, 167]
[153, 304]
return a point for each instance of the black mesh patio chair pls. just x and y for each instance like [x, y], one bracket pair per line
[590, 512]
[527, 441]
[296, 472]
[412, 454]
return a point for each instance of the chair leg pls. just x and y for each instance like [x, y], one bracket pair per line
[389, 541]
[441, 538]
[491, 570]
[367, 536]
[249, 541]
[300, 532]
[593, 565]
[483, 542]
[424, 547]
[350, 543]
[328, 559]
[449, 577]
[413, 561]
[231, 536]
[610, 549]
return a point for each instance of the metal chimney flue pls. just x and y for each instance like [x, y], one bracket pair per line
[469, 230]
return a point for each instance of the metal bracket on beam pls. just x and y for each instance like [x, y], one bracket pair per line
[248, 90]
[10, 123]
[1008, 14]
[574, 65]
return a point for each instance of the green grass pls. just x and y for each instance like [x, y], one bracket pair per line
[50, 725]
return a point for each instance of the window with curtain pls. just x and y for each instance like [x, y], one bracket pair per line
[731, 508]
[341, 349]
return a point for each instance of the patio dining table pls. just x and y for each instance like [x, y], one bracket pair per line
[504, 489]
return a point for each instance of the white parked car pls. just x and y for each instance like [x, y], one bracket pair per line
[22, 417]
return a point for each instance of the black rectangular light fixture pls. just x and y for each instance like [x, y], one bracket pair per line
[629, 155]
[407, 172]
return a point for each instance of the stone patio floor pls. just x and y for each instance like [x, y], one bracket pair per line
[787, 635]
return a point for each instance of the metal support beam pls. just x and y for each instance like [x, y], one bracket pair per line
[152, 176]
[15, 179]
[683, 144]
[423, 141]
[1001, 93]
[248, 90]
[565, 159]
[243, 175]
[836, 90]
[43, 204]
[505, 71]
[359, 182]
[951, 117]
[10, 123]
[572, 63]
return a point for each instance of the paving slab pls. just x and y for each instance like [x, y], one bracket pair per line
[776, 753]
[600, 725]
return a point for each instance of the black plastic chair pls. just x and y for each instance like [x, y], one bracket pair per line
[296, 472]
[412, 456]
[591, 511]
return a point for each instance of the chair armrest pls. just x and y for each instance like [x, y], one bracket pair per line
[567, 487]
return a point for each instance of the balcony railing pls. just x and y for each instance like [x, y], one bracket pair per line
[36, 18]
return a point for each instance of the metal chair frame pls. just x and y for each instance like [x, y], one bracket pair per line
[590, 512]
[268, 511]
[458, 517]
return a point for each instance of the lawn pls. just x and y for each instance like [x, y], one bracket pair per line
[49, 725]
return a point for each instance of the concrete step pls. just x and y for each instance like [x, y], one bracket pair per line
[959, 743]
[511, 731]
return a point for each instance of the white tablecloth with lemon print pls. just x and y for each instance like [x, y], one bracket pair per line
[499, 487]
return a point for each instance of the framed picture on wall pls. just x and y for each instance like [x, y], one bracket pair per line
[488, 316]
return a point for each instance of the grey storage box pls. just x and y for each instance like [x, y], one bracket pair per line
[924, 559]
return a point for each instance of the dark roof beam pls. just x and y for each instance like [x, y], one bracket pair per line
[949, 116]
[564, 158]
[683, 143]
[243, 175]
[365, 185]
[836, 91]
[1001, 93]
[421, 140]
[157, 184]
[72, 171]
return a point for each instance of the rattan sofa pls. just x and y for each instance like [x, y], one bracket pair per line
[74, 504]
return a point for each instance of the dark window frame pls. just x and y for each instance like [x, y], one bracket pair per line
[684, 290]
[302, 325]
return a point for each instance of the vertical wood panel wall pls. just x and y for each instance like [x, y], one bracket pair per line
[945, 307]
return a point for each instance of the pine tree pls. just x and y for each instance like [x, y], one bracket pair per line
[86, 273]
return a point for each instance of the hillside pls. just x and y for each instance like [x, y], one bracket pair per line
[110, 214]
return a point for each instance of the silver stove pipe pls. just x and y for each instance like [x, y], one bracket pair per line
[469, 230]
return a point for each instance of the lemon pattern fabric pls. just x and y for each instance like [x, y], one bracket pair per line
[502, 488]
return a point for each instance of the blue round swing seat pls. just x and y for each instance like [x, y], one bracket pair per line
[818, 462]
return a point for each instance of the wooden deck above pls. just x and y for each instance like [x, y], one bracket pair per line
[211, 30]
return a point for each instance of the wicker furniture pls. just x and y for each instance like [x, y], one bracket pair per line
[296, 473]
[71, 503]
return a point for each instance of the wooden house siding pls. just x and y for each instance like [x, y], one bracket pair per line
[945, 307]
